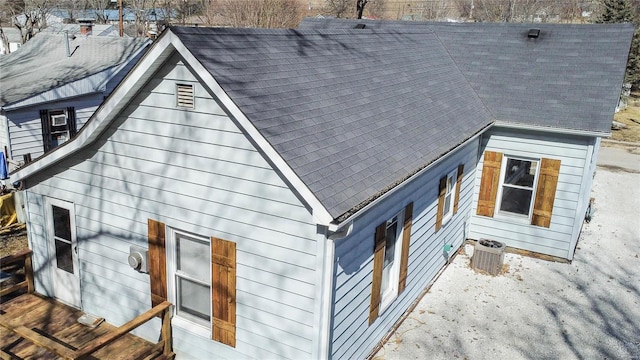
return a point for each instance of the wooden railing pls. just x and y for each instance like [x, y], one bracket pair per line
[11, 266]
[163, 349]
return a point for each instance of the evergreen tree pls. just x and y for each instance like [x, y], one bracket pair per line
[621, 11]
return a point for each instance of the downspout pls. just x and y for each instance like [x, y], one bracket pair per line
[327, 253]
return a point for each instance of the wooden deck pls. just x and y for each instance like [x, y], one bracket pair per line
[35, 327]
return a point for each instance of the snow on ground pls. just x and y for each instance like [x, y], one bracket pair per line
[589, 309]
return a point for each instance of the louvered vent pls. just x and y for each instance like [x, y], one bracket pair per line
[185, 96]
[488, 256]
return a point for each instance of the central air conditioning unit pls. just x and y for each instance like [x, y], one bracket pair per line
[488, 256]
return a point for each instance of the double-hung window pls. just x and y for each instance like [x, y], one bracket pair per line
[190, 279]
[449, 195]
[391, 262]
[517, 185]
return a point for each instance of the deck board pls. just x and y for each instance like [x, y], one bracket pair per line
[58, 323]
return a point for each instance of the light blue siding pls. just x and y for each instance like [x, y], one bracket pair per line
[195, 171]
[573, 153]
[352, 337]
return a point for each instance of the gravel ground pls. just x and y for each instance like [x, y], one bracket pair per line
[589, 309]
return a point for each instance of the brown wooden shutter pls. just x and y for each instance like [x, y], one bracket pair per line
[458, 186]
[545, 192]
[223, 291]
[378, 260]
[406, 236]
[157, 262]
[442, 191]
[489, 183]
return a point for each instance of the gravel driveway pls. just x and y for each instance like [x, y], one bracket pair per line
[589, 309]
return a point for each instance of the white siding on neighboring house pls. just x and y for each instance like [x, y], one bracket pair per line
[4, 135]
[25, 126]
[195, 171]
[352, 337]
[574, 153]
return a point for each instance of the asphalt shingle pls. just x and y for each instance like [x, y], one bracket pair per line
[544, 81]
[353, 113]
[42, 63]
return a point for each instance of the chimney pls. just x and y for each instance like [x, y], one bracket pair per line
[86, 26]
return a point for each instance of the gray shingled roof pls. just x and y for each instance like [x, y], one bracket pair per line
[570, 77]
[353, 113]
[42, 63]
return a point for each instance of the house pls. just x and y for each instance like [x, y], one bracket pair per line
[552, 95]
[84, 27]
[52, 85]
[293, 192]
[10, 40]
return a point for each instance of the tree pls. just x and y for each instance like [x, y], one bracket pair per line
[360, 4]
[623, 11]
[261, 13]
[28, 16]
[338, 8]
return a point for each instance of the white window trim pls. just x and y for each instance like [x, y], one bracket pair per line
[391, 293]
[503, 168]
[453, 175]
[177, 320]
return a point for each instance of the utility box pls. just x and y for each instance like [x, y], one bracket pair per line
[488, 256]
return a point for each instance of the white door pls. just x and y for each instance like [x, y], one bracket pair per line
[63, 251]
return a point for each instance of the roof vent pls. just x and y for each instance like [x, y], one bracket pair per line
[185, 98]
[360, 26]
[533, 33]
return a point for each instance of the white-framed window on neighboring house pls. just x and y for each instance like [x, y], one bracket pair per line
[517, 186]
[189, 279]
[391, 261]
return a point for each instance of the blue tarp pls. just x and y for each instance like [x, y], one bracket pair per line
[4, 170]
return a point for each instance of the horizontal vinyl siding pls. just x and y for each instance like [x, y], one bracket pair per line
[195, 171]
[352, 336]
[25, 126]
[572, 153]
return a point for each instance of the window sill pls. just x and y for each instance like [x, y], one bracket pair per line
[520, 219]
[191, 327]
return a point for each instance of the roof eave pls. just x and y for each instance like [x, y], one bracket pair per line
[565, 131]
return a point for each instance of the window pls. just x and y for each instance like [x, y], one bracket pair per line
[62, 238]
[390, 260]
[198, 275]
[517, 185]
[449, 196]
[184, 96]
[190, 278]
[58, 126]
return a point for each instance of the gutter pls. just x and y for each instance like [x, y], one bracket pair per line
[551, 129]
[340, 227]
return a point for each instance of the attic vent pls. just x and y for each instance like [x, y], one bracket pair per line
[184, 94]
[533, 33]
[360, 26]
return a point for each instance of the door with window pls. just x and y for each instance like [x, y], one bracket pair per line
[63, 251]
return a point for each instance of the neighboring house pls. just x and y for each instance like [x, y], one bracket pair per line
[47, 94]
[83, 28]
[11, 42]
[296, 190]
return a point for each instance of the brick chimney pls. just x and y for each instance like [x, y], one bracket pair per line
[86, 26]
